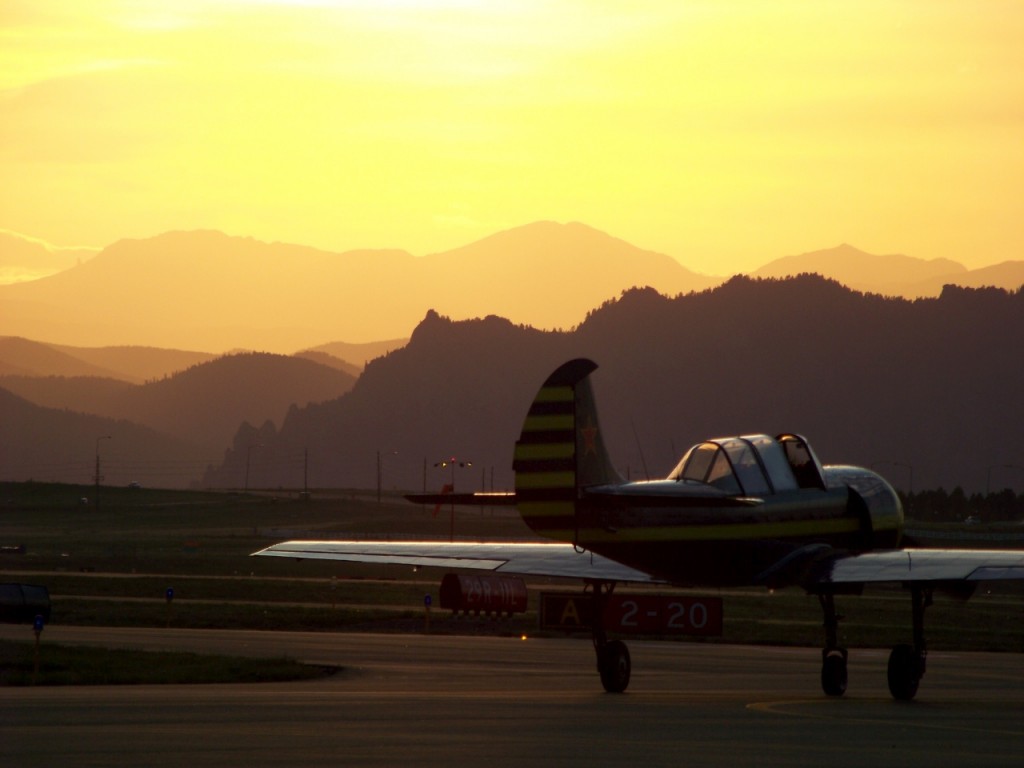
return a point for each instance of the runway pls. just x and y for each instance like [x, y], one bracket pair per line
[441, 700]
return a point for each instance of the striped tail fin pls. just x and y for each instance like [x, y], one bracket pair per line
[560, 451]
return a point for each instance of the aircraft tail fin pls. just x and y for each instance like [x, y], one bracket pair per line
[560, 451]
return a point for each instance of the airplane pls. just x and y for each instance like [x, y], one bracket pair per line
[752, 510]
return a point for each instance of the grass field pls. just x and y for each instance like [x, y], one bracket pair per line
[20, 664]
[113, 565]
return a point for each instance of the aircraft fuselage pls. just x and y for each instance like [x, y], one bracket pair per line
[705, 538]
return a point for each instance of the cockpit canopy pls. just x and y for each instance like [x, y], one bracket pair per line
[752, 465]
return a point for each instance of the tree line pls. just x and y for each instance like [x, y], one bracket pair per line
[956, 506]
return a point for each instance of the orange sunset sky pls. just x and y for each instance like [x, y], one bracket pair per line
[723, 132]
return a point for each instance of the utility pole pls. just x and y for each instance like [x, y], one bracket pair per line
[96, 494]
[248, 457]
[380, 470]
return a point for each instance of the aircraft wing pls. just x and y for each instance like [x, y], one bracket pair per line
[522, 558]
[925, 565]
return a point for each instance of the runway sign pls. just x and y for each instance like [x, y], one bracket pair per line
[634, 614]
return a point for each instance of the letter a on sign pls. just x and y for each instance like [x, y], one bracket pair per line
[569, 613]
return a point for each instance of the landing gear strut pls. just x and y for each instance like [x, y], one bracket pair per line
[833, 658]
[907, 662]
[613, 662]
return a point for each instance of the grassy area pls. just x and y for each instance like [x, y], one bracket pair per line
[208, 533]
[786, 617]
[20, 664]
[113, 566]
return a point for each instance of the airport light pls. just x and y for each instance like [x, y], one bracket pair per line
[452, 463]
[98, 475]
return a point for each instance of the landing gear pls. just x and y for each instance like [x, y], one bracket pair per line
[907, 662]
[905, 670]
[613, 662]
[833, 658]
[833, 671]
[614, 665]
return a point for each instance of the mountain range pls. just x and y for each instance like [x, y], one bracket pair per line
[202, 405]
[894, 274]
[209, 291]
[926, 391]
[883, 380]
[165, 431]
[137, 365]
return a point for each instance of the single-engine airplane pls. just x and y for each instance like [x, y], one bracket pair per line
[749, 510]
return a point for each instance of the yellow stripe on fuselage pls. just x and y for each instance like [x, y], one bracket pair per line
[725, 532]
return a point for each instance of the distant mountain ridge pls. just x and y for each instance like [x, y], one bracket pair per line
[203, 404]
[138, 365]
[210, 291]
[358, 355]
[894, 274]
[25, 357]
[864, 271]
[548, 275]
[188, 417]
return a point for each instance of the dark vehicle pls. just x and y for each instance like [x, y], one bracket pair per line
[21, 603]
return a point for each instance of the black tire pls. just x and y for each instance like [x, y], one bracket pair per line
[614, 666]
[833, 674]
[904, 672]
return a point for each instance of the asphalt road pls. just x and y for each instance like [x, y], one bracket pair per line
[416, 700]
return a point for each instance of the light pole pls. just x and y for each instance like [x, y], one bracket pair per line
[380, 471]
[248, 455]
[452, 463]
[988, 475]
[98, 475]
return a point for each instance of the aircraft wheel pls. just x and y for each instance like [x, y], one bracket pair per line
[904, 672]
[614, 666]
[833, 673]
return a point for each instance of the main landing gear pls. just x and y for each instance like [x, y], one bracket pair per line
[613, 662]
[906, 662]
[833, 658]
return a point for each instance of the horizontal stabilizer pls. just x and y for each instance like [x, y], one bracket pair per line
[491, 499]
